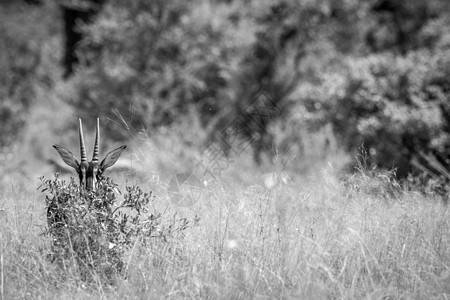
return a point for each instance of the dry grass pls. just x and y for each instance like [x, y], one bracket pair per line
[317, 239]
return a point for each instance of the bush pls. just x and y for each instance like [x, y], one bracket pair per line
[92, 232]
[395, 107]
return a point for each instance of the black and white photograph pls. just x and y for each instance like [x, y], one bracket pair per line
[224, 149]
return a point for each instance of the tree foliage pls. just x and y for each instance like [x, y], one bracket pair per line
[21, 64]
[375, 70]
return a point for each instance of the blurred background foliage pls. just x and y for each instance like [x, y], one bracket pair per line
[372, 74]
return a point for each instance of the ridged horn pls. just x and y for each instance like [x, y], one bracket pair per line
[82, 145]
[97, 138]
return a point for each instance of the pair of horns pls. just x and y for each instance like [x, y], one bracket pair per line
[83, 146]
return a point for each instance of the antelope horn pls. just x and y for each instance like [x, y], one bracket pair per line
[97, 138]
[82, 146]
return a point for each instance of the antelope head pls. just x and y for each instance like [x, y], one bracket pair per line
[89, 172]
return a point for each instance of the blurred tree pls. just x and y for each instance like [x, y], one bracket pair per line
[395, 107]
[33, 2]
[159, 61]
[399, 24]
[75, 13]
[292, 41]
[390, 107]
[22, 34]
[328, 61]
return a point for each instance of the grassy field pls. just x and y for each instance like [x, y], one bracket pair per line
[306, 78]
[317, 237]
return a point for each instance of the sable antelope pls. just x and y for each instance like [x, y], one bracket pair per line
[89, 172]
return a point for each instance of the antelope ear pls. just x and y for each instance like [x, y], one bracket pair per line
[111, 158]
[67, 157]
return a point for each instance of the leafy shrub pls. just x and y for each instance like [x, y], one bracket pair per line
[396, 107]
[92, 231]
